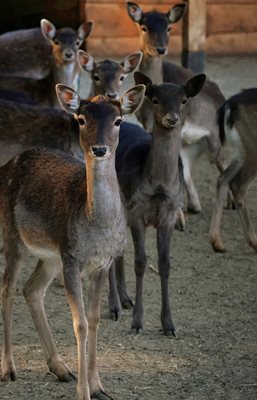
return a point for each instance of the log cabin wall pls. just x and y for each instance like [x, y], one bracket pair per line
[231, 27]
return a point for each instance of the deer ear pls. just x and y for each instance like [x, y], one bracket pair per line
[134, 11]
[48, 29]
[142, 79]
[85, 29]
[131, 62]
[85, 61]
[68, 98]
[194, 85]
[132, 99]
[177, 12]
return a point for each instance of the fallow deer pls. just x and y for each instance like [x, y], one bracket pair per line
[33, 61]
[200, 127]
[238, 126]
[151, 182]
[70, 215]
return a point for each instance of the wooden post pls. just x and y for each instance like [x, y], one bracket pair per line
[194, 31]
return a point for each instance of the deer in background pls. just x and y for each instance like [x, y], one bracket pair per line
[238, 126]
[200, 133]
[151, 182]
[24, 124]
[69, 214]
[53, 60]
[107, 75]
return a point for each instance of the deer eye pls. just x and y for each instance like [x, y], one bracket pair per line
[96, 77]
[78, 42]
[56, 41]
[144, 28]
[122, 78]
[81, 121]
[155, 101]
[184, 101]
[169, 29]
[118, 122]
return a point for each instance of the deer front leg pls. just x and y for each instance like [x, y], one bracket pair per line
[34, 292]
[164, 233]
[13, 264]
[138, 235]
[97, 279]
[73, 286]
[221, 195]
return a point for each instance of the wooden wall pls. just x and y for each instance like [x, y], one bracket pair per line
[231, 27]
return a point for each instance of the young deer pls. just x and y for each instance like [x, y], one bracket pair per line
[24, 124]
[52, 61]
[150, 180]
[238, 124]
[70, 215]
[200, 127]
[107, 75]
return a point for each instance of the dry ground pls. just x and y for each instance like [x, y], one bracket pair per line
[214, 299]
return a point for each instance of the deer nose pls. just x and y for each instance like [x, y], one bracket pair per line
[171, 120]
[68, 54]
[111, 95]
[161, 50]
[99, 151]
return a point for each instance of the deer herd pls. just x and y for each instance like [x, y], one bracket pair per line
[73, 175]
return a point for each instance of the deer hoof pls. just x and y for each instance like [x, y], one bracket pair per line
[217, 245]
[101, 395]
[127, 303]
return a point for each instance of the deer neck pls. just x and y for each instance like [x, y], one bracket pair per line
[66, 73]
[162, 165]
[102, 183]
[152, 67]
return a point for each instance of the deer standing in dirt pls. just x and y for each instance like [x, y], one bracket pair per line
[24, 124]
[70, 215]
[107, 76]
[151, 182]
[200, 133]
[238, 126]
[46, 56]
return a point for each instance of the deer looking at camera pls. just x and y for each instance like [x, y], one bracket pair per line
[152, 184]
[238, 126]
[107, 76]
[38, 59]
[70, 215]
[200, 127]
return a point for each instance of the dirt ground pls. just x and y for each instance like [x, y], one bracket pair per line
[214, 301]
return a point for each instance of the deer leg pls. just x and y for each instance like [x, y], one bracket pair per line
[188, 155]
[114, 300]
[239, 186]
[97, 279]
[164, 233]
[221, 195]
[125, 298]
[34, 292]
[138, 235]
[13, 264]
[73, 286]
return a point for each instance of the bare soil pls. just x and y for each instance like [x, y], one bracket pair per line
[214, 301]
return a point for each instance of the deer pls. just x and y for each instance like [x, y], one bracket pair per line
[70, 215]
[238, 126]
[200, 132]
[24, 124]
[107, 75]
[151, 181]
[34, 60]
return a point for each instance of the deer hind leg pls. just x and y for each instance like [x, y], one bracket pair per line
[114, 300]
[34, 292]
[164, 233]
[138, 235]
[13, 263]
[188, 155]
[97, 279]
[239, 186]
[221, 195]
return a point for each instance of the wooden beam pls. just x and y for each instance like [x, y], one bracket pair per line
[194, 34]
